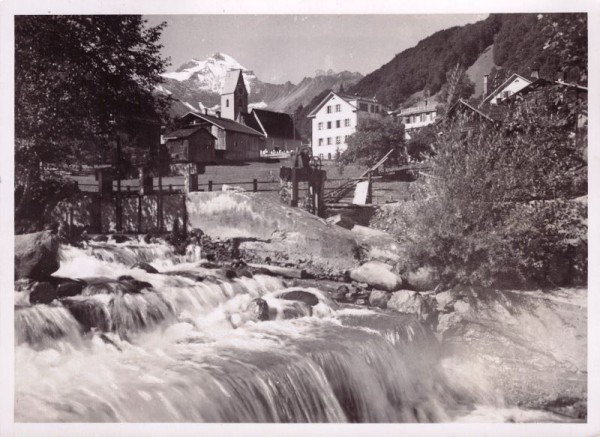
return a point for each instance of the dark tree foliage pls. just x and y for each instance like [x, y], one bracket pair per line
[78, 80]
[374, 137]
[552, 43]
[426, 64]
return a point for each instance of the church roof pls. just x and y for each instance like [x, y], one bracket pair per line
[231, 81]
[226, 124]
[273, 124]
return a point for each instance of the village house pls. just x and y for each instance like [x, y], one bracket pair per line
[277, 127]
[510, 86]
[193, 145]
[416, 117]
[336, 118]
[495, 106]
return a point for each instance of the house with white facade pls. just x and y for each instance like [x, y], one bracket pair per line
[336, 118]
[416, 117]
[510, 86]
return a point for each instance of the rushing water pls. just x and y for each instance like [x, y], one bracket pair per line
[184, 352]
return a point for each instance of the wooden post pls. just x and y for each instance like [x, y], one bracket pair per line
[191, 182]
[185, 216]
[139, 214]
[71, 222]
[254, 185]
[210, 183]
[118, 211]
[294, 198]
[320, 195]
[369, 189]
[159, 205]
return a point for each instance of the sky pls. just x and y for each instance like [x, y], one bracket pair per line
[282, 48]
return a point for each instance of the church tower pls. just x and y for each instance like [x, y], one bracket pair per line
[234, 97]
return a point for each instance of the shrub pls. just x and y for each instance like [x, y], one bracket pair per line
[496, 209]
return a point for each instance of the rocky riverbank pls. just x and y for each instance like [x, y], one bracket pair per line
[531, 344]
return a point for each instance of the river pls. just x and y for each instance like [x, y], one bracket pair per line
[183, 352]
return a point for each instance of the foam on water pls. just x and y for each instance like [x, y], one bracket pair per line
[171, 353]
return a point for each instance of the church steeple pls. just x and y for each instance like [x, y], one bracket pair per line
[234, 97]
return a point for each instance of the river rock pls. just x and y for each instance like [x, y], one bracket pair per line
[410, 302]
[145, 267]
[300, 296]
[42, 292]
[379, 298]
[258, 310]
[100, 238]
[377, 275]
[133, 285]
[36, 255]
[69, 288]
[119, 238]
[445, 300]
[340, 292]
[422, 279]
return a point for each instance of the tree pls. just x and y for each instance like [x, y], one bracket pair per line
[457, 86]
[374, 137]
[77, 81]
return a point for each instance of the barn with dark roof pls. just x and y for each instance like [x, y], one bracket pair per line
[277, 127]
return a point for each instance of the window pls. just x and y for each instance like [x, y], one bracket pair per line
[347, 122]
[363, 107]
[329, 141]
[329, 109]
[321, 126]
[345, 139]
[338, 108]
[227, 103]
[406, 120]
[320, 141]
[338, 140]
[338, 123]
[328, 125]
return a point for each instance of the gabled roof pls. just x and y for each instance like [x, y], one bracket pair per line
[327, 98]
[273, 124]
[489, 112]
[231, 80]
[225, 124]
[186, 132]
[503, 85]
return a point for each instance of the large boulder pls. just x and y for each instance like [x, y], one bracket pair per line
[423, 279]
[36, 255]
[379, 298]
[377, 275]
[42, 292]
[410, 302]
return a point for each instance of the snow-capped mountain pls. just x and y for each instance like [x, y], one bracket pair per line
[197, 84]
[209, 74]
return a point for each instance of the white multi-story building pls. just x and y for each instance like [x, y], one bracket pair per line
[416, 117]
[335, 119]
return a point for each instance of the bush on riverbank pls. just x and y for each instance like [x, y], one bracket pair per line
[498, 206]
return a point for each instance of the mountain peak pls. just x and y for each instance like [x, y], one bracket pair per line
[209, 74]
